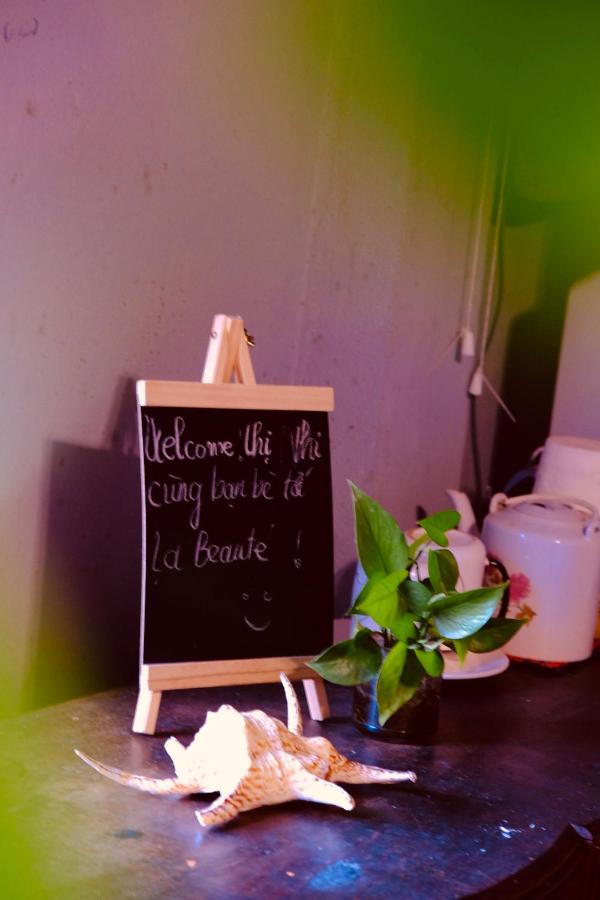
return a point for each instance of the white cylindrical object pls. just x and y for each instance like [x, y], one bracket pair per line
[476, 385]
[570, 466]
[467, 343]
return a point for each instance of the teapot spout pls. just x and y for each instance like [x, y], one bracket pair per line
[462, 504]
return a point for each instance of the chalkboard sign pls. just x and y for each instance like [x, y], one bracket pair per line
[238, 555]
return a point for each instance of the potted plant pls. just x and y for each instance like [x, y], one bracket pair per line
[396, 669]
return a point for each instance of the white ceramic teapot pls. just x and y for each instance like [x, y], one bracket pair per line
[550, 547]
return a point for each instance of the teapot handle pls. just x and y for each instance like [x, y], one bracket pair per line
[493, 563]
[501, 501]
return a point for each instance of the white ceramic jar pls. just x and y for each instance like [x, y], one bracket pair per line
[550, 546]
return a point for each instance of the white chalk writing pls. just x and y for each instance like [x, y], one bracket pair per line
[169, 559]
[226, 490]
[164, 493]
[245, 550]
[160, 449]
[255, 442]
[206, 498]
[305, 444]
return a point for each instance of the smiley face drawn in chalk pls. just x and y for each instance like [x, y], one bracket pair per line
[252, 621]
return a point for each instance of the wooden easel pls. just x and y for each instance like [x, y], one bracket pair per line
[227, 356]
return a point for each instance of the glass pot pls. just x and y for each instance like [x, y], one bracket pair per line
[414, 723]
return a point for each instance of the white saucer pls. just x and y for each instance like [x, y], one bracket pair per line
[476, 665]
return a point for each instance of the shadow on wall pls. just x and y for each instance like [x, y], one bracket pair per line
[534, 340]
[89, 597]
[344, 582]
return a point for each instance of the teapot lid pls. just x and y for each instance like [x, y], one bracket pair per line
[544, 512]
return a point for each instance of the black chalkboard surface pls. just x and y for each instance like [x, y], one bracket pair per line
[238, 546]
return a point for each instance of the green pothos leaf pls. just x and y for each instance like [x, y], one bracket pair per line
[494, 634]
[461, 648]
[405, 629]
[350, 662]
[413, 673]
[432, 661]
[417, 596]
[391, 692]
[380, 542]
[443, 570]
[380, 600]
[438, 524]
[461, 615]
[416, 544]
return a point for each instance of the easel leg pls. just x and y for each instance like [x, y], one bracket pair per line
[316, 697]
[146, 711]
[216, 355]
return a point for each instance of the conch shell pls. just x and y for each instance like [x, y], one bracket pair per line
[253, 760]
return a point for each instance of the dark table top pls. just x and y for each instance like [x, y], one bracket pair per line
[515, 761]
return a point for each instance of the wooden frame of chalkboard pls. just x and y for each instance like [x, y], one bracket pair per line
[237, 575]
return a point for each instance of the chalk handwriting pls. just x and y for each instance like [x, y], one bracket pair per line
[297, 559]
[255, 442]
[246, 550]
[256, 627]
[305, 444]
[295, 483]
[226, 490]
[164, 493]
[160, 449]
[165, 559]
[251, 623]
[261, 487]
[199, 475]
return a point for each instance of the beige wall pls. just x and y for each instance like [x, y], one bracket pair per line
[163, 161]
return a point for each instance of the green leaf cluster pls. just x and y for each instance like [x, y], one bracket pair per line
[416, 615]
